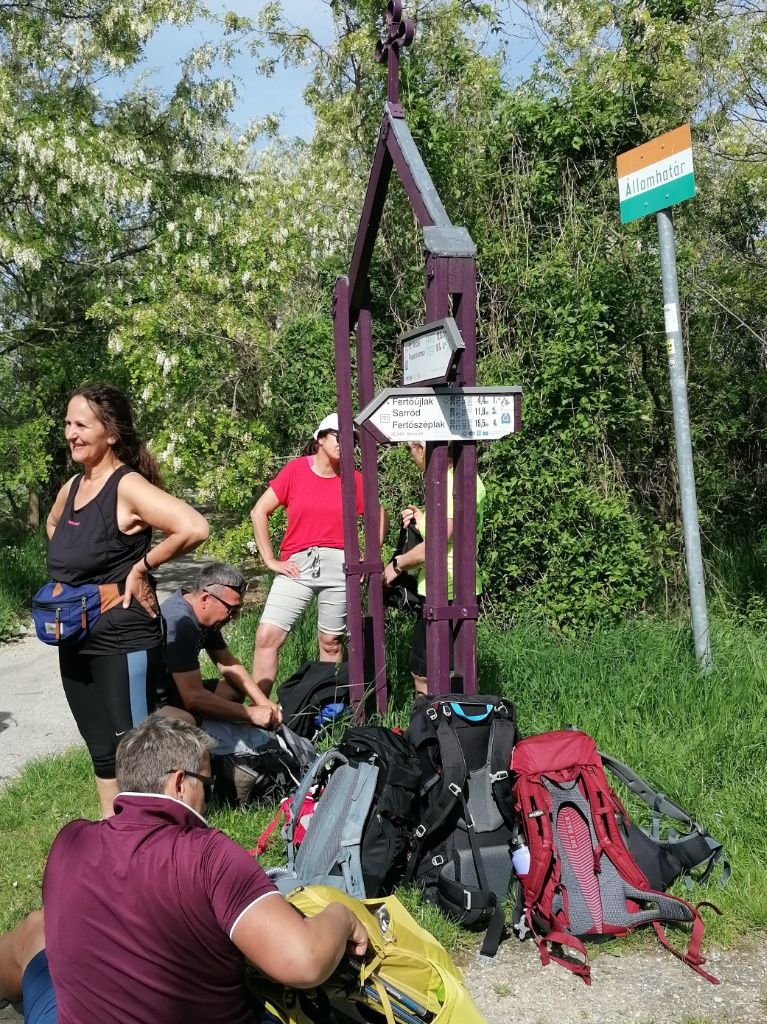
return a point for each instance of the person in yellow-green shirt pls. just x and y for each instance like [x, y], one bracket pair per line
[414, 560]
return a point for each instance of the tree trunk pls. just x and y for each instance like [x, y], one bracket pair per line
[33, 509]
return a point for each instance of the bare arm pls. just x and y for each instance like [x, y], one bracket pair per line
[298, 951]
[383, 525]
[416, 556]
[266, 505]
[238, 676]
[199, 701]
[141, 504]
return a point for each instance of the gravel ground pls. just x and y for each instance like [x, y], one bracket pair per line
[646, 987]
[639, 988]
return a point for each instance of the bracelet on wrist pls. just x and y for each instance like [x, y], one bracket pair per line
[395, 566]
[149, 568]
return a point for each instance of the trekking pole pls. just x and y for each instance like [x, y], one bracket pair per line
[410, 1005]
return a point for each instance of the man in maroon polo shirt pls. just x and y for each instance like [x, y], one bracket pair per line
[150, 915]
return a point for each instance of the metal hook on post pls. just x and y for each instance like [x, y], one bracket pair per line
[399, 33]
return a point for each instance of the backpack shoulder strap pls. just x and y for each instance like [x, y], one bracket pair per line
[503, 734]
[354, 826]
[308, 780]
[453, 778]
[697, 847]
[334, 835]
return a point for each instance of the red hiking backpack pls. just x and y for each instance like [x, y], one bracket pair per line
[582, 881]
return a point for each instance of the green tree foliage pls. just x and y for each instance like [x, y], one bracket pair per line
[144, 240]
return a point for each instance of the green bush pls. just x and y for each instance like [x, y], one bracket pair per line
[22, 572]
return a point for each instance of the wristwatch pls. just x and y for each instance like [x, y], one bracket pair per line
[395, 566]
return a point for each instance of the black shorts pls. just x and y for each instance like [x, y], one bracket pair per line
[418, 649]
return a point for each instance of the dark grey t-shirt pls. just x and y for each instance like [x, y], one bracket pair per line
[184, 639]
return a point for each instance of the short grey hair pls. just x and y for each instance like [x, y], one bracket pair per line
[221, 574]
[147, 754]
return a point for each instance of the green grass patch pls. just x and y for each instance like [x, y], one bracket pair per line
[22, 573]
[636, 688]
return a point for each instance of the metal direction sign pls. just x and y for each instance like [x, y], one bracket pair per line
[656, 175]
[429, 352]
[443, 414]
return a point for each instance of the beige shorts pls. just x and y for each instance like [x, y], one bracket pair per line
[322, 574]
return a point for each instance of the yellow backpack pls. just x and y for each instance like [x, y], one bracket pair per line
[407, 977]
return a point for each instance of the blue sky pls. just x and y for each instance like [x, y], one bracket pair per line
[257, 96]
[283, 93]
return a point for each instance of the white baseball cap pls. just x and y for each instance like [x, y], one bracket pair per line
[329, 423]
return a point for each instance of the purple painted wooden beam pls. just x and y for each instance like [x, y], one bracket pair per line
[437, 629]
[352, 557]
[370, 221]
[450, 277]
[375, 658]
[463, 286]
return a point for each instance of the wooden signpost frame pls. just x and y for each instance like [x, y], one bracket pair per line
[450, 289]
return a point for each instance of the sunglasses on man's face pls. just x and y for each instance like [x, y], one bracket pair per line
[233, 610]
[208, 781]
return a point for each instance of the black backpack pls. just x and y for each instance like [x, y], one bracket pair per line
[462, 857]
[366, 807]
[403, 592]
[314, 688]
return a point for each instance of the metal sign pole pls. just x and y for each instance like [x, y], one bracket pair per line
[692, 553]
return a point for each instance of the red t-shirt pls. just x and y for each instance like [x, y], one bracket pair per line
[313, 505]
[138, 913]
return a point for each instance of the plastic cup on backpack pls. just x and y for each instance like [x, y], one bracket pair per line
[520, 859]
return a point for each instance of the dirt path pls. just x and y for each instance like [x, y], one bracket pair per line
[35, 720]
[649, 987]
[641, 988]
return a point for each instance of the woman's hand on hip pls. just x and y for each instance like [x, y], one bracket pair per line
[137, 586]
[286, 568]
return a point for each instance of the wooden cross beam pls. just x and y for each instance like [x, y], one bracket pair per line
[399, 33]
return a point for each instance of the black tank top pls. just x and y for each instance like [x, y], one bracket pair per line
[88, 546]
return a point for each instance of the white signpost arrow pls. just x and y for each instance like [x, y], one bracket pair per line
[429, 352]
[442, 414]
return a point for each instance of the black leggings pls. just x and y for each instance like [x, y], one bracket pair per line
[108, 694]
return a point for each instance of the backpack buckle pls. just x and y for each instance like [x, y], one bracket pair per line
[432, 714]
[466, 900]
[455, 789]
[447, 711]
[420, 832]
[438, 861]
[498, 776]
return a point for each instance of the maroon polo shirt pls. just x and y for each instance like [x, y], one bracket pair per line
[139, 910]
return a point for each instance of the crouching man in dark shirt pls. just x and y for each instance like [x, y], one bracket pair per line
[151, 915]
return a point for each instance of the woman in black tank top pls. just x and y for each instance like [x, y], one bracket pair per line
[100, 531]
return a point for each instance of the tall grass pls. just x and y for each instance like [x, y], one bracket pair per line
[22, 572]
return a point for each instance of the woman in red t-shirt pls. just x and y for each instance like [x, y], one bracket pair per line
[312, 552]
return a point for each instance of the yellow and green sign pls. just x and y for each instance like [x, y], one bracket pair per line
[656, 175]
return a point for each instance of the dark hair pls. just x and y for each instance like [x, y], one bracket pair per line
[114, 410]
[313, 445]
